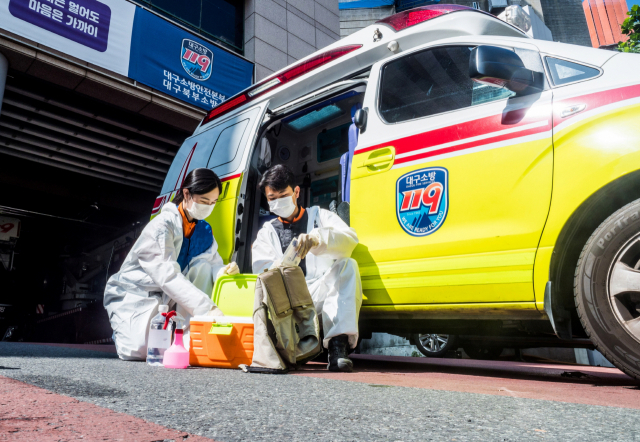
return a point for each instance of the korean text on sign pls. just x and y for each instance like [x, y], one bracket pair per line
[84, 21]
[192, 91]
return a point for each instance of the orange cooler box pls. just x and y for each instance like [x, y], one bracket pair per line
[221, 342]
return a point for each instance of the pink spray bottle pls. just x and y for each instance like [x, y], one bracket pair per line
[177, 356]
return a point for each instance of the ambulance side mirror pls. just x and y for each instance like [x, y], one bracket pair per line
[500, 67]
[360, 119]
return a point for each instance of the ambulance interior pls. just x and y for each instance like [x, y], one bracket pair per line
[312, 139]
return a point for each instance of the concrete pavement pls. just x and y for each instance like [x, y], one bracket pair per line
[394, 399]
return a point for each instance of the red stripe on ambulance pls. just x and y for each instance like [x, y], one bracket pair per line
[594, 101]
[490, 130]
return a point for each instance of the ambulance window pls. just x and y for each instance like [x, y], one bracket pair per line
[332, 143]
[226, 148]
[432, 82]
[564, 72]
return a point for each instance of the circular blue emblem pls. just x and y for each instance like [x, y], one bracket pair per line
[422, 200]
[196, 59]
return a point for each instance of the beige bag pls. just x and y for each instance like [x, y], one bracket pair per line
[286, 330]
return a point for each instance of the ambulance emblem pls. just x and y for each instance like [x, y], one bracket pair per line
[422, 200]
[196, 59]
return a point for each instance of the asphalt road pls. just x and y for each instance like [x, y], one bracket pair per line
[228, 405]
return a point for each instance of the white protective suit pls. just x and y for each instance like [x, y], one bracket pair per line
[332, 276]
[150, 276]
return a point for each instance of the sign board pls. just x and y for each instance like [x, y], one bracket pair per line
[180, 64]
[131, 41]
[95, 31]
[9, 228]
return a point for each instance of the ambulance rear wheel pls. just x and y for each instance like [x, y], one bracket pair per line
[435, 345]
[607, 288]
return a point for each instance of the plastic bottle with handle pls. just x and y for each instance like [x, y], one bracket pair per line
[159, 337]
[177, 356]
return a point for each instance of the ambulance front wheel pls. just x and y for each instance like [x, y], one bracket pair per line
[607, 288]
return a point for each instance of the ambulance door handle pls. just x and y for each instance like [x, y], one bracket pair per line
[380, 160]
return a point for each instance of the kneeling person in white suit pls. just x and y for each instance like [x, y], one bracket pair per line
[332, 276]
[175, 261]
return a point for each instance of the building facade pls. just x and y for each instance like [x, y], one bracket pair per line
[280, 32]
[96, 98]
[604, 18]
[564, 18]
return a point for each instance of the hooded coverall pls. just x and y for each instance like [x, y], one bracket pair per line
[332, 276]
[150, 276]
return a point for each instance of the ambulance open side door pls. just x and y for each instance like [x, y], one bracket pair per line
[224, 147]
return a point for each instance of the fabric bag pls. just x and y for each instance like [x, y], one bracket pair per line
[286, 329]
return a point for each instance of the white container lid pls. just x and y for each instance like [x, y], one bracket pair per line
[223, 319]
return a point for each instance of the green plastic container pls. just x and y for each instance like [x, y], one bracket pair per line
[234, 294]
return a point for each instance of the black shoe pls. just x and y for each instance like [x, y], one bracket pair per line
[339, 354]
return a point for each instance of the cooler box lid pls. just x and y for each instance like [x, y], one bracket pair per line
[234, 294]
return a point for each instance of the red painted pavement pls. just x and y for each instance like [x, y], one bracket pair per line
[29, 413]
[593, 386]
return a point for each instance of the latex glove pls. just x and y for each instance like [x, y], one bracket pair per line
[231, 269]
[306, 242]
[215, 311]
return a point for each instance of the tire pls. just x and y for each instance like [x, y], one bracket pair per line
[484, 353]
[607, 288]
[434, 345]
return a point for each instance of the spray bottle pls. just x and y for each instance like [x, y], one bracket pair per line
[177, 356]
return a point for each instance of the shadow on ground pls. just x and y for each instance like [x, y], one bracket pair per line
[565, 374]
[21, 349]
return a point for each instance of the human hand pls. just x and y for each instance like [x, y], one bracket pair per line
[215, 311]
[231, 269]
[306, 242]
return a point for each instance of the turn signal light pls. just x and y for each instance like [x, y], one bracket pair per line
[416, 16]
[270, 83]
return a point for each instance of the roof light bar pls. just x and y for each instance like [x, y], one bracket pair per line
[264, 86]
[278, 80]
[412, 17]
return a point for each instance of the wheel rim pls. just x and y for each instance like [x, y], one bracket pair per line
[624, 287]
[433, 343]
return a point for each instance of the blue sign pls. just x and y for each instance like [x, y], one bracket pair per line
[83, 21]
[176, 62]
[422, 200]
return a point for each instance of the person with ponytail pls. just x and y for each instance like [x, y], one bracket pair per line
[174, 262]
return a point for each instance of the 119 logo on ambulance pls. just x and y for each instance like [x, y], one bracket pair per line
[422, 200]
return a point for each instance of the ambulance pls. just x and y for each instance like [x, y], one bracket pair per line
[493, 179]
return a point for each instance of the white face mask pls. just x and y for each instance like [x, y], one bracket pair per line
[283, 207]
[199, 211]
